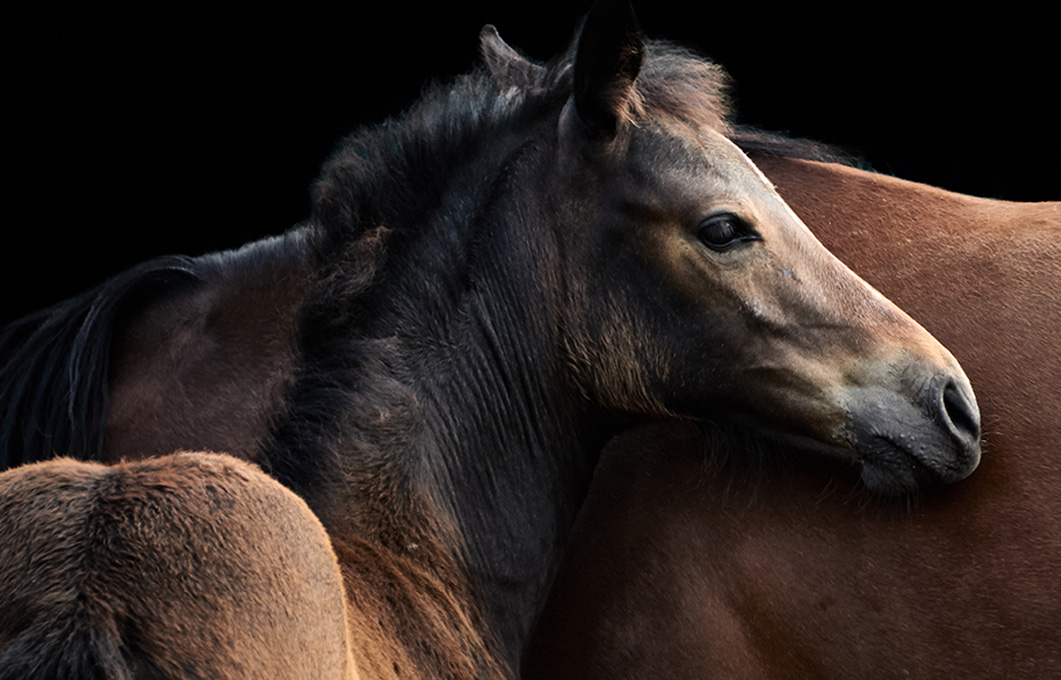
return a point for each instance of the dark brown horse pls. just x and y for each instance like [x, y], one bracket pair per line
[188, 565]
[689, 562]
[492, 286]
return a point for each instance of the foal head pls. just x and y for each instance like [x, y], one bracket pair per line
[693, 291]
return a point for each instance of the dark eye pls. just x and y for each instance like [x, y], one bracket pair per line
[722, 232]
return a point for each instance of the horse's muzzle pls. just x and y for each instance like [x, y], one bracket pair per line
[907, 444]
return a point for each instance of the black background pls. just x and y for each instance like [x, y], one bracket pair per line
[140, 132]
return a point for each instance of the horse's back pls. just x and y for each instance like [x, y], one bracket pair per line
[176, 353]
[189, 565]
[205, 368]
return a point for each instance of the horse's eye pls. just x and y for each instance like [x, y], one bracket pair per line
[722, 232]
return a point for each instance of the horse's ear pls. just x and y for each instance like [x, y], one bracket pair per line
[610, 51]
[507, 66]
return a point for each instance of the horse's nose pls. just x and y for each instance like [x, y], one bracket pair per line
[960, 412]
[960, 415]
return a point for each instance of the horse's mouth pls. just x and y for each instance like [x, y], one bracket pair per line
[910, 444]
[890, 467]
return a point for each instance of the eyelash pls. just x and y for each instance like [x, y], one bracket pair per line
[725, 231]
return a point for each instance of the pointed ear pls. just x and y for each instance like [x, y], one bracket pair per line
[507, 66]
[610, 51]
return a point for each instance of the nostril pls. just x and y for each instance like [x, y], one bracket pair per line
[961, 412]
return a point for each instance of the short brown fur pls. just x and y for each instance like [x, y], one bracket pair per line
[189, 565]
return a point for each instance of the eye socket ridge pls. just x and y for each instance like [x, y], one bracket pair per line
[724, 231]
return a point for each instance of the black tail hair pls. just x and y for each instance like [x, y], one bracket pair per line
[64, 651]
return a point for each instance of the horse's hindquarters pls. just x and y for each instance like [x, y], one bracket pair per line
[191, 565]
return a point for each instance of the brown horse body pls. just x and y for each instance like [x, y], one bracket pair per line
[205, 368]
[694, 563]
[188, 565]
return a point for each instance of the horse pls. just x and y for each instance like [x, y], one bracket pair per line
[527, 262]
[185, 565]
[695, 558]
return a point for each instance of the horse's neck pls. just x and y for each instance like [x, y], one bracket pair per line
[464, 542]
[468, 456]
[510, 459]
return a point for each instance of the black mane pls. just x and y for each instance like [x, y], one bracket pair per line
[753, 140]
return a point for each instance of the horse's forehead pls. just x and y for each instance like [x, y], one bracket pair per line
[723, 159]
[702, 161]
[703, 170]
[735, 158]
